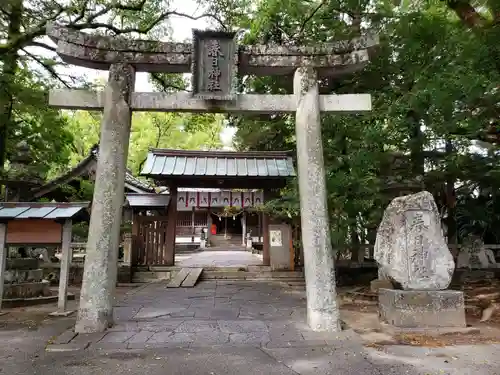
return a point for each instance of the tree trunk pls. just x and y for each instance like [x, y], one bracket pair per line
[467, 13]
[355, 245]
[416, 144]
[8, 74]
[451, 221]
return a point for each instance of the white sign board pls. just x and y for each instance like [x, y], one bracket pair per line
[276, 238]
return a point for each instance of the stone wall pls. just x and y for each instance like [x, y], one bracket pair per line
[346, 275]
[51, 273]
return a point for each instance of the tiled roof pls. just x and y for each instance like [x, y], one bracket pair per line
[137, 185]
[147, 200]
[49, 211]
[85, 167]
[170, 163]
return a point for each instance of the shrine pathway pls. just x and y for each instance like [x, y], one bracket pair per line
[227, 258]
[242, 328]
[222, 328]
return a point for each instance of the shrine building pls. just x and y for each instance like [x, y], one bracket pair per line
[218, 192]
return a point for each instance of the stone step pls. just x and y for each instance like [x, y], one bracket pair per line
[150, 276]
[259, 268]
[221, 241]
[226, 245]
[248, 275]
[228, 269]
[227, 248]
[226, 273]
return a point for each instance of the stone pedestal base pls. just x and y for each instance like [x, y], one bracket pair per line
[124, 273]
[422, 309]
[377, 284]
[27, 290]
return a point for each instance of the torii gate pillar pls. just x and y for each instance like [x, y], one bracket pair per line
[319, 267]
[101, 258]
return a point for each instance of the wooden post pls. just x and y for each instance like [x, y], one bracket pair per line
[209, 225]
[171, 227]
[66, 257]
[135, 239]
[244, 229]
[192, 225]
[3, 260]
[266, 253]
[127, 249]
[259, 226]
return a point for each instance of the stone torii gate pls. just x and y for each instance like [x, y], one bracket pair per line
[215, 61]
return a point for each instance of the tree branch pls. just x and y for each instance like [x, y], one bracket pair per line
[142, 30]
[313, 13]
[159, 80]
[467, 13]
[41, 45]
[49, 68]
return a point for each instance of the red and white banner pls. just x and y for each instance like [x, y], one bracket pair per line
[215, 199]
[236, 199]
[258, 198]
[247, 199]
[192, 199]
[186, 200]
[225, 197]
[204, 199]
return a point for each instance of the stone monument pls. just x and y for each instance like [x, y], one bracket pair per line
[413, 255]
[473, 254]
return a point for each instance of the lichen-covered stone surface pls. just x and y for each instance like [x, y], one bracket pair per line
[21, 276]
[422, 309]
[101, 259]
[410, 248]
[99, 52]
[322, 309]
[473, 254]
[22, 264]
[27, 290]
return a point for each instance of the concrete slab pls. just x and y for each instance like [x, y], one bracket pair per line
[65, 337]
[62, 313]
[192, 278]
[117, 337]
[70, 347]
[326, 361]
[179, 278]
[152, 312]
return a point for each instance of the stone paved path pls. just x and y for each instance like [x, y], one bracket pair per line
[262, 314]
[223, 328]
[218, 259]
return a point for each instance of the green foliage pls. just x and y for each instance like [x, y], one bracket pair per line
[149, 130]
[43, 128]
[432, 81]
